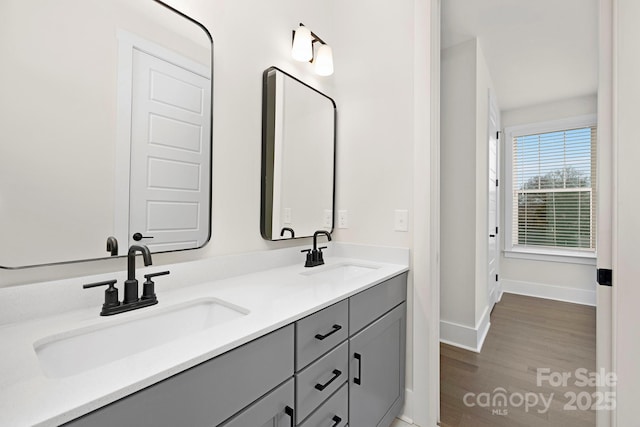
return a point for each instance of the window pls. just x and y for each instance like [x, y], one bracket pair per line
[551, 188]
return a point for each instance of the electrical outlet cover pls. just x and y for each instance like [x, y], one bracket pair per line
[343, 219]
[328, 219]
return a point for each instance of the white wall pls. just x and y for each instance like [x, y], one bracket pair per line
[375, 118]
[570, 281]
[457, 172]
[375, 101]
[466, 83]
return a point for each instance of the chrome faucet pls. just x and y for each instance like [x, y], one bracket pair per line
[131, 300]
[314, 256]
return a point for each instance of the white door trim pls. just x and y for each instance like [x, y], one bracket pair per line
[426, 224]
[605, 315]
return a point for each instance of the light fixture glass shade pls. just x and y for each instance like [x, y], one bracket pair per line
[324, 60]
[302, 49]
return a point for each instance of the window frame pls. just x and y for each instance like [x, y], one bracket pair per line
[532, 252]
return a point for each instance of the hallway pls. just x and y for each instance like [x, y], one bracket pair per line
[526, 334]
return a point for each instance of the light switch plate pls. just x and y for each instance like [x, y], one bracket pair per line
[401, 220]
[328, 219]
[343, 219]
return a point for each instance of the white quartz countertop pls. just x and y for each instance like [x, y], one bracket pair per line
[273, 298]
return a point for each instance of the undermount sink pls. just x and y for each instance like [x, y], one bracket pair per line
[72, 352]
[339, 273]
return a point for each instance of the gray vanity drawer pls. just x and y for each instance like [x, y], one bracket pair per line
[271, 409]
[330, 370]
[334, 412]
[320, 332]
[368, 305]
[207, 394]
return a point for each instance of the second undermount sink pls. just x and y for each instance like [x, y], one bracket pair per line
[72, 352]
[339, 273]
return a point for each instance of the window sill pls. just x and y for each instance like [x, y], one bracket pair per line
[551, 255]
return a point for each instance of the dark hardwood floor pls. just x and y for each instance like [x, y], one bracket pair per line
[526, 334]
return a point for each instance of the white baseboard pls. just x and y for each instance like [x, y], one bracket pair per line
[464, 336]
[407, 412]
[558, 293]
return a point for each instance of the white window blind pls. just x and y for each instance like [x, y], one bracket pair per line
[554, 176]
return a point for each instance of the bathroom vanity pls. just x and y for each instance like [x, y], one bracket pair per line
[302, 374]
[307, 347]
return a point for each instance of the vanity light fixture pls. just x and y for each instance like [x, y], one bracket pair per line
[324, 60]
[302, 50]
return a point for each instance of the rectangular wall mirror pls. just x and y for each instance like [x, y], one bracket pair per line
[105, 111]
[298, 158]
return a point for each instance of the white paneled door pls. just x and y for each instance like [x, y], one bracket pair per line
[493, 253]
[170, 152]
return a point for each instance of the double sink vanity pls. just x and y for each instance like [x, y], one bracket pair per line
[282, 346]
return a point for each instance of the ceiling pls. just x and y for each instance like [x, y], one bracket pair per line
[538, 51]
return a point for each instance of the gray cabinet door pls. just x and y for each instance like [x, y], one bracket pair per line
[376, 385]
[273, 410]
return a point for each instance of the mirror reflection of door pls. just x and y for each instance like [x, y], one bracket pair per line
[64, 168]
[169, 188]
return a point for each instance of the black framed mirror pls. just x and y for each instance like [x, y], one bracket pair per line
[298, 158]
[106, 119]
